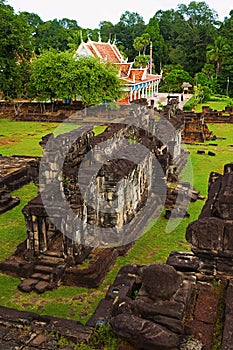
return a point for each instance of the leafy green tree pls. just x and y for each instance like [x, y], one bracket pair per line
[200, 31]
[32, 19]
[138, 44]
[201, 93]
[51, 35]
[198, 13]
[107, 31]
[97, 81]
[159, 48]
[141, 43]
[173, 80]
[58, 76]
[93, 34]
[202, 79]
[146, 41]
[15, 51]
[53, 76]
[217, 51]
[186, 32]
[224, 79]
[141, 61]
[130, 26]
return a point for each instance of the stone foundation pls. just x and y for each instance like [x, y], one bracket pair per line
[15, 172]
[195, 129]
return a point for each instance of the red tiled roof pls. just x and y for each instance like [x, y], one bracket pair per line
[124, 69]
[106, 51]
[109, 52]
[91, 49]
[136, 74]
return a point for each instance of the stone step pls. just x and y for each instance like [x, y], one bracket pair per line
[16, 184]
[50, 261]
[13, 203]
[40, 276]
[43, 268]
[54, 254]
[28, 285]
[42, 286]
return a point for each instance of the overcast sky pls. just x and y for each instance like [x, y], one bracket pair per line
[89, 13]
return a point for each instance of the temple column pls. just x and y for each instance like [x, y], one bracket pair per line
[131, 95]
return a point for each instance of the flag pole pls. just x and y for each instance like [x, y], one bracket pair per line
[151, 57]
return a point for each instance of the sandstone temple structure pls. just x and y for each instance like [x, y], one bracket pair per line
[183, 304]
[112, 204]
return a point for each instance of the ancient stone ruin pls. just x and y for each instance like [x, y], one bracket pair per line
[211, 234]
[186, 303]
[183, 304]
[15, 172]
[195, 129]
[49, 257]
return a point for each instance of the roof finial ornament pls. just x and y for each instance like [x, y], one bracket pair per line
[81, 36]
[99, 38]
[109, 38]
[114, 41]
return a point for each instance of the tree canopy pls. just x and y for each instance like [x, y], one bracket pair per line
[15, 50]
[190, 36]
[57, 75]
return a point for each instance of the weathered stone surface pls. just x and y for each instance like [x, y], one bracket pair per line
[30, 331]
[39, 340]
[165, 308]
[207, 305]
[102, 313]
[42, 286]
[160, 281]
[144, 334]
[183, 261]
[206, 234]
[28, 285]
[227, 340]
[202, 331]
[170, 323]
[195, 128]
[210, 153]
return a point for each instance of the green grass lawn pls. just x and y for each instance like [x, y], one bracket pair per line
[153, 246]
[22, 138]
[215, 103]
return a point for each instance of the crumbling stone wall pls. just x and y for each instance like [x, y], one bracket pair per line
[133, 189]
[46, 245]
[195, 129]
[211, 234]
[28, 330]
[15, 172]
[36, 111]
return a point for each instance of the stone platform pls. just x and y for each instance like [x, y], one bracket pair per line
[15, 172]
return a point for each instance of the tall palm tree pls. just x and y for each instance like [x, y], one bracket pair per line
[138, 44]
[216, 52]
